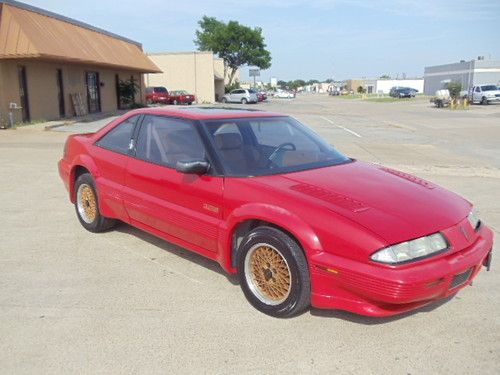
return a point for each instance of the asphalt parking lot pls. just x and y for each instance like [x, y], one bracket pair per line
[126, 302]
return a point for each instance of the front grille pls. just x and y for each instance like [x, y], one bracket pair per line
[460, 279]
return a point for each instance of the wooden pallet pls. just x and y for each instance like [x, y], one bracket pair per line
[79, 106]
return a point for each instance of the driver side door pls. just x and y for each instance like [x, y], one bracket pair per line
[178, 206]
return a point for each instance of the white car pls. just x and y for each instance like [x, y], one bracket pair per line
[485, 94]
[284, 95]
[242, 96]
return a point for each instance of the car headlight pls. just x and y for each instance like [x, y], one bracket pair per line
[474, 220]
[411, 250]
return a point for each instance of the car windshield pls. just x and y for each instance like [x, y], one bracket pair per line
[160, 89]
[488, 88]
[272, 145]
[181, 92]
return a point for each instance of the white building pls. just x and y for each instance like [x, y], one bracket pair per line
[384, 85]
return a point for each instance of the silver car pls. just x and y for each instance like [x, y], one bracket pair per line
[242, 96]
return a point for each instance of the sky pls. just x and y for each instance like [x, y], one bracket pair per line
[313, 39]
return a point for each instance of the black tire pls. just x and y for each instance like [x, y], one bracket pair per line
[274, 255]
[224, 100]
[484, 101]
[175, 102]
[244, 101]
[87, 205]
[190, 103]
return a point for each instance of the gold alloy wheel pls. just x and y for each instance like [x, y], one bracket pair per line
[87, 204]
[267, 274]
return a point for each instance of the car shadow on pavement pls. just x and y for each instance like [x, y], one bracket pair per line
[368, 320]
[177, 250]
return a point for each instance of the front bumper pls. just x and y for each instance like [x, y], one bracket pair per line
[493, 99]
[377, 290]
[64, 172]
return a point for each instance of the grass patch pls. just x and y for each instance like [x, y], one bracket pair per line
[356, 96]
[388, 99]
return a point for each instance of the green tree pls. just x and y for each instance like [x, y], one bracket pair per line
[454, 88]
[385, 76]
[233, 86]
[312, 82]
[361, 90]
[282, 84]
[236, 44]
[329, 80]
[127, 89]
[298, 83]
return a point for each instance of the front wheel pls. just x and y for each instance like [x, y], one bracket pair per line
[273, 273]
[484, 101]
[87, 207]
[244, 101]
[224, 100]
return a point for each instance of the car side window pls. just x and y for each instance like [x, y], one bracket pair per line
[118, 139]
[478, 89]
[166, 141]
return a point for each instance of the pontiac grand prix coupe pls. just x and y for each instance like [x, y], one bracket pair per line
[268, 199]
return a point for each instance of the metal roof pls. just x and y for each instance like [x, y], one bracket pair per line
[29, 32]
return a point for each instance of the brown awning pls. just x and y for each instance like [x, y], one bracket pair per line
[30, 34]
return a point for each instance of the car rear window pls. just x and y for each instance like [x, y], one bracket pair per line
[118, 138]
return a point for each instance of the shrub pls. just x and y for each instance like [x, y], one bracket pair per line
[454, 88]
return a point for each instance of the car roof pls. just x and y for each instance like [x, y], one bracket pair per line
[206, 113]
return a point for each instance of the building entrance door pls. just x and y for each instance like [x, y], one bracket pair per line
[93, 92]
[60, 94]
[23, 93]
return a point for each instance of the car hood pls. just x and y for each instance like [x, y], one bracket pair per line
[492, 92]
[394, 205]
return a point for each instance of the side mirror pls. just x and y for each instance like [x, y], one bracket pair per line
[198, 166]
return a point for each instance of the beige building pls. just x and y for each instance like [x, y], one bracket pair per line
[199, 73]
[53, 67]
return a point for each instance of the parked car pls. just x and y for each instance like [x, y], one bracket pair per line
[282, 94]
[264, 95]
[181, 97]
[402, 92]
[242, 96]
[484, 94]
[268, 199]
[157, 94]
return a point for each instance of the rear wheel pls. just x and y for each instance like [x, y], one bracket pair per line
[87, 206]
[244, 101]
[484, 101]
[273, 273]
[224, 100]
[175, 102]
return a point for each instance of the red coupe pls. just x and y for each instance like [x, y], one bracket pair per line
[268, 199]
[181, 97]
